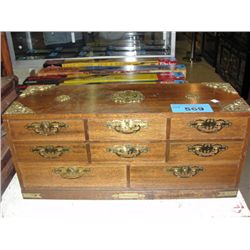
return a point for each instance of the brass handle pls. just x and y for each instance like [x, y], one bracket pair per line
[127, 126]
[185, 171]
[46, 127]
[128, 151]
[206, 150]
[50, 151]
[71, 172]
[210, 125]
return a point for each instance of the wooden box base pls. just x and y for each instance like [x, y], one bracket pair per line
[127, 195]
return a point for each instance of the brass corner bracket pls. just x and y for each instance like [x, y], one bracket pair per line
[225, 86]
[238, 105]
[18, 108]
[32, 90]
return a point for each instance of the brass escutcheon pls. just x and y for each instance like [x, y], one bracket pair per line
[185, 171]
[206, 150]
[71, 172]
[46, 128]
[50, 151]
[127, 126]
[128, 151]
[209, 125]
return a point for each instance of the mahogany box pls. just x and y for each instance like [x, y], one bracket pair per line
[123, 141]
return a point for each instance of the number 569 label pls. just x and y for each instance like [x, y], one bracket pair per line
[191, 108]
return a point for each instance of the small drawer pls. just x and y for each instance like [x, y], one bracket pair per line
[124, 151]
[50, 151]
[127, 129]
[75, 175]
[198, 176]
[47, 130]
[205, 151]
[208, 128]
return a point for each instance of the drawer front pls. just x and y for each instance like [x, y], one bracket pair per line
[47, 130]
[123, 151]
[205, 151]
[208, 128]
[71, 175]
[50, 151]
[127, 129]
[184, 176]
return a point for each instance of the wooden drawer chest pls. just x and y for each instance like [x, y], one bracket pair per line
[122, 141]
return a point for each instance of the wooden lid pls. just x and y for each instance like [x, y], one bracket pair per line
[126, 98]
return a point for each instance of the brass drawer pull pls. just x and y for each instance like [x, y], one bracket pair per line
[46, 127]
[127, 126]
[128, 151]
[206, 150]
[71, 172]
[50, 151]
[185, 171]
[209, 125]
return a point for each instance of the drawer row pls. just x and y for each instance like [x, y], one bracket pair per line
[126, 152]
[160, 176]
[136, 128]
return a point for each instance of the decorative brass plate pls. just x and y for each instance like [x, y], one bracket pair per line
[31, 195]
[46, 127]
[128, 196]
[18, 108]
[128, 96]
[209, 125]
[185, 171]
[227, 194]
[128, 151]
[192, 96]
[127, 126]
[50, 151]
[71, 172]
[62, 98]
[206, 150]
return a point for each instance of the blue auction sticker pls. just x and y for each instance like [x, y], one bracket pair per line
[191, 108]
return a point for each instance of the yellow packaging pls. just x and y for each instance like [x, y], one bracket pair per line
[107, 64]
[112, 78]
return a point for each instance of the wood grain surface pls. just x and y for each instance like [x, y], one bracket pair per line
[74, 130]
[96, 99]
[179, 151]
[42, 175]
[212, 176]
[181, 129]
[156, 152]
[155, 130]
[75, 151]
